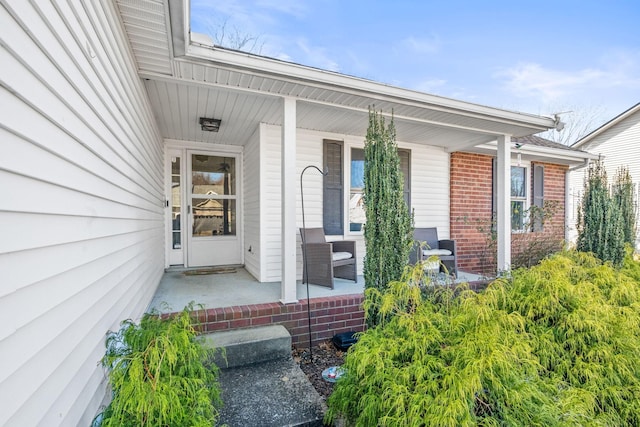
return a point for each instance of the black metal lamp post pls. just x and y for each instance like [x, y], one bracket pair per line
[304, 252]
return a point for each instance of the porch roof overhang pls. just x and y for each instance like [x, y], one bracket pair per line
[537, 153]
[187, 78]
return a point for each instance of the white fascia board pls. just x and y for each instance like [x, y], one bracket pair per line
[585, 140]
[559, 154]
[355, 85]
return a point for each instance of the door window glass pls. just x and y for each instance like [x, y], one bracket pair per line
[213, 182]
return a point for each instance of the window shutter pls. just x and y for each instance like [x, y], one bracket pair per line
[405, 168]
[538, 195]
[333, 195]
[494, 195]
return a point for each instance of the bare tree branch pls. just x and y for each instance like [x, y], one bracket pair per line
[234, 38]
[578, 121]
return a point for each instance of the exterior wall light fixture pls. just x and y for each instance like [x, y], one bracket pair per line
[210, 125]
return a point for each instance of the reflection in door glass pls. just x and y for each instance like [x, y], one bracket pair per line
[213, 175]
[213, 187]
[176, 196]
[213, 217]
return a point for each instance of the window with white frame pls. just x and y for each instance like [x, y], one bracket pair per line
[519, 203]
[333, 211]
[520, 194]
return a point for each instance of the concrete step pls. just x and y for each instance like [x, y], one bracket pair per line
[261, 384]
[249, 346]
[269, 394]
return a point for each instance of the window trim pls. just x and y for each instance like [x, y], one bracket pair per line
[527, 199]
[347, 148]
[524, 199]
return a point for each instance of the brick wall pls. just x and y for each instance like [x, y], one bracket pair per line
[329, 316]
[471, 211]
[471, 200]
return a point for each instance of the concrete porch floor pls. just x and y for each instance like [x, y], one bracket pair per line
[176, 289]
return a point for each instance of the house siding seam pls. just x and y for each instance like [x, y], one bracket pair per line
[471, 210]
[329, 316]
[82, 208]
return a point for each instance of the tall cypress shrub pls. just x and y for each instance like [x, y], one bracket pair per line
[624, 197]
[600, 225]
[388, 230]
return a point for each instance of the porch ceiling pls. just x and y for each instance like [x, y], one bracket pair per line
[244, 90]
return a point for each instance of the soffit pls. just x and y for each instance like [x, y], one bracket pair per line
[183, 89]
[145, 22]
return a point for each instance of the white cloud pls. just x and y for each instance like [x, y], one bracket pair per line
[422, 45]
[618, 71]
[289, 7]
[316, 56]
[525, 80]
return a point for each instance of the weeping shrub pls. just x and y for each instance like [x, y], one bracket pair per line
[157, 375]
[555, 345]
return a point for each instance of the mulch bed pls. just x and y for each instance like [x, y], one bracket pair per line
[325, 355]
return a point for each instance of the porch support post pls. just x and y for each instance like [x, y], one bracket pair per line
[289, 178]
[503, 211]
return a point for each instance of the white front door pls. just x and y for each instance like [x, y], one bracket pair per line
[213, 209]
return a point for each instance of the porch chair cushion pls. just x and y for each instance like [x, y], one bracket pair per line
[436, 252]
[339, 256]
[426, 244]
[326, 260]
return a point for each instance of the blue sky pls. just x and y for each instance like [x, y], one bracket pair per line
[538, 57]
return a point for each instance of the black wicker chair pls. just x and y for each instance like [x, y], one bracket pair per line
[326, 260]
[427, 244]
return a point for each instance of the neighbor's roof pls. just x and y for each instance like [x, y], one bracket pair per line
[620, 117]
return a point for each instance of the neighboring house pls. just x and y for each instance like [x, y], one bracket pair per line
[617, 143]
[105, 161]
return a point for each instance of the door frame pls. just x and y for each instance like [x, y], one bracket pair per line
[182, 148]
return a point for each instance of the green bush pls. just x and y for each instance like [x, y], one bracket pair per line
[556, 345]
[623, 192]
[600, 225]
[157, 375]
[388, 231]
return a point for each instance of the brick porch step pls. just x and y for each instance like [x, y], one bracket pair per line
[249, 346]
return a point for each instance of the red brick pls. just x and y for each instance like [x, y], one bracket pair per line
[240, 323]
[277, 318]
[218, 326]
[265, 320]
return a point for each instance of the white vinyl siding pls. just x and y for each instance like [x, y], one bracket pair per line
[252, 206]
[430, 187]
[81, 213]
[270, 203]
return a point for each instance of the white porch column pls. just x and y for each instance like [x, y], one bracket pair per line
[503, 190]
[289, 178]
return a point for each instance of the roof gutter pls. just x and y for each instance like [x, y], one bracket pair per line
[356, 85]
[553, 153]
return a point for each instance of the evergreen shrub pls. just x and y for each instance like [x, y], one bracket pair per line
[388, 231]
[555, 345]
[157, 374]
